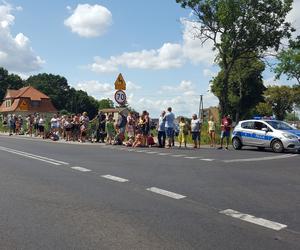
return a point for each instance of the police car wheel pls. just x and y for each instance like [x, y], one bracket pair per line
[236, 143]
[277, 146]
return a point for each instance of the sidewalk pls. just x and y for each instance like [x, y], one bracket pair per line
[33, 138]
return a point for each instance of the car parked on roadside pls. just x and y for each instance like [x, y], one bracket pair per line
[274, 134]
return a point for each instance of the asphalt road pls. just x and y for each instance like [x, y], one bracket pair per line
[66, 196]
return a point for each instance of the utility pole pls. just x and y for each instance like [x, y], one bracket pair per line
[201, 115]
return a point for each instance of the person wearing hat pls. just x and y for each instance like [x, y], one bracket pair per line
[226, 124]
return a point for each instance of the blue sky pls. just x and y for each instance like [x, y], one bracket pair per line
[91, 42]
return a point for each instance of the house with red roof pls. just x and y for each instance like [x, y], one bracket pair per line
[27, 100]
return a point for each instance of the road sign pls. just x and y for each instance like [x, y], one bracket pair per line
[120, 97]
[120, 83]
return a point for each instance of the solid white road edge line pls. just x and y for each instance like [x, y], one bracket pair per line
[263, 158]
[164, 154]
[33, 155]
[114, 178]
[252, 219]
[81, 169]
[166, 193]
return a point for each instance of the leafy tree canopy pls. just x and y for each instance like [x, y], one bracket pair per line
[281, 99]
[106, 104]
[244, 83]
[239, 29]
[55, 86]
[289, 61]
[9, 81]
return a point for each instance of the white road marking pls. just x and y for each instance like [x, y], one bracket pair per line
[32, 156]
[252, 219]
[262, 158]
[166, 193]
[164, 153]
[192, 157]
[207, 159]
[131, 150]
[114, 178]
[151, 152]
[140, 151]
[178, 155]
[81, 169]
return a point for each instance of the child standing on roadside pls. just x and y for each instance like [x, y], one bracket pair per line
[212, 132]
[183, 132]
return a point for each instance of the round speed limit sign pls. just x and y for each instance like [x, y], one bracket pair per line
[120, 97]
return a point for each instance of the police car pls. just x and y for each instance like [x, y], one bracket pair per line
[266, 133]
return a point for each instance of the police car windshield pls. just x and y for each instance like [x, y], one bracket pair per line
[280, 125]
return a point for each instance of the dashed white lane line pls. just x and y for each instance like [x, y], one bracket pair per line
[32, 156]
[252, 219]
[81, 169]
[178, 155]
[207, 159]
[166, 193]
[151, 152]
[114, 178]
[262, 158]
[192, 157]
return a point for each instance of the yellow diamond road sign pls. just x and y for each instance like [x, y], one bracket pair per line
[120, 83]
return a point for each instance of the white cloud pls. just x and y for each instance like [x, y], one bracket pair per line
[183, 98]
[132, 86]
[169, 55]
[16, 53]
[209, 73]
[294, 16]
[104, 90]
[89, 20]
[271, 82]
[193, 49]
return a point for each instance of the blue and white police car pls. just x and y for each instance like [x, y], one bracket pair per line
[266, 133]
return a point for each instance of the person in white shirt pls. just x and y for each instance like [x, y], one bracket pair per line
[54, 124]
[196, 130]
[169, 126]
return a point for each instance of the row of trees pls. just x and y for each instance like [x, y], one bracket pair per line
[64, 97]
[243, 32]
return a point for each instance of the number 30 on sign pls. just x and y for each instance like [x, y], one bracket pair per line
[120, 97]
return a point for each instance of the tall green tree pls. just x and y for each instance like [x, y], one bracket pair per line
[281, 99]
[85, 103]
[289, 61]
[239, 29]
[263, 109]
[9, 81]
[55, 86]
[106, 103]
[244, 83]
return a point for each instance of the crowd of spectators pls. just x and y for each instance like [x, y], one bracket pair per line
[129, 128]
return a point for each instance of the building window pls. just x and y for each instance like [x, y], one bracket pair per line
[35, 104]
[7, 103]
